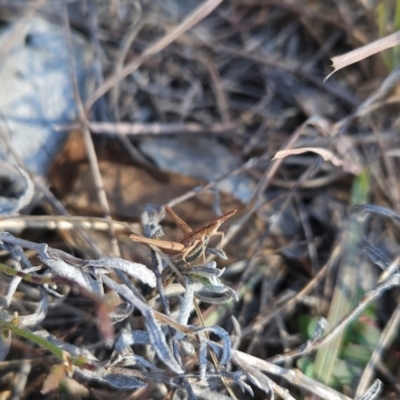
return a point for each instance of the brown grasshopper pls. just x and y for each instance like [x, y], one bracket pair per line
[192, 238]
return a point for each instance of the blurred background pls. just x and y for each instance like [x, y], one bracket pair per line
[114, 105]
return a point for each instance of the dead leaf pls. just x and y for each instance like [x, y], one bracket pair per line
[56, 375]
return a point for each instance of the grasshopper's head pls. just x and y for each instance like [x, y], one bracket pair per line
[214, 225]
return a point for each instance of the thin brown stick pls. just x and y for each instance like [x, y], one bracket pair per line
[219, 92]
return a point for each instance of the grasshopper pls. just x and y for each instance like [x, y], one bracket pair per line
[189, 243]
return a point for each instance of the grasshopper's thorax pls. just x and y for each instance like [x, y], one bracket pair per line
[206, 230]
[190, 240]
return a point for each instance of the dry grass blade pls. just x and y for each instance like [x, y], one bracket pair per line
[363, 52]
[327, 155]
[137, 129]
[158, 128]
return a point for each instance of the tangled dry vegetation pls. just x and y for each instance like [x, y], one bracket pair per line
[207, 107]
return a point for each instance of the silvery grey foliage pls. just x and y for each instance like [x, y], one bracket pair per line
[52, 292]
[122, 378]
[89, 276]
[217, 252]
[239, 377]
[213, 381]
[17, 254]
[223, 334]
[208, 275]
[189, 389]
[151, 221]
[39, 315]
[371, 208]
[373, 392]
[122, 311]
[72, 269]
[128, 338]
[319, 329]
[202, 358]
[156, 335]
[136, 270]
[65, 270]
[51, 258]
[187, 303]
[375, 254]
[238, 333]
[224, 298]
[134, 360]
[208, 271]
[5, 316]
[257, 378]
[31, 319]
[15, 281]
